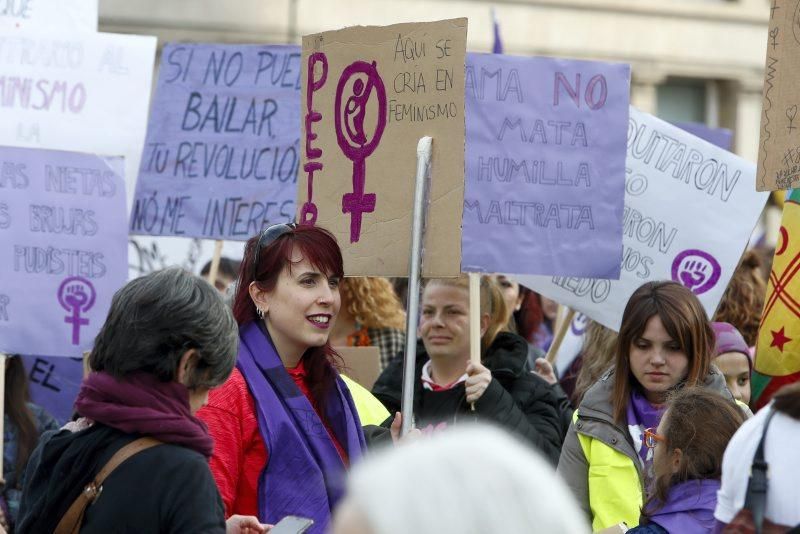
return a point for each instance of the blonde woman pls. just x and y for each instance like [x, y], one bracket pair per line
[371, 316]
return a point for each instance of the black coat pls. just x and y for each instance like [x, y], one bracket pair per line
[516, 398]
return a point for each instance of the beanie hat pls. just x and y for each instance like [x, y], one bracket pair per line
[730, 340]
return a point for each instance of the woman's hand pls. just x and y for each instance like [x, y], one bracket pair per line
[478, 379]
[245, 524]
[544, 369]
[397, 425]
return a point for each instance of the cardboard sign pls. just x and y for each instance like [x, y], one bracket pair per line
[368, 95]
[545, 165]
[84, 92]
[48, 15]
[54, 384]
[63, 248]
[690, 208]
[779, 143]
[362, 364]
[221, 155]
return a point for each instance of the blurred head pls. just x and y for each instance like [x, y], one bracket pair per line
[597, 353]
[444, 322]
[478, 480]
[549, 309]
[732, 357]
[227, 273]
[372, 302]
[692, 437]
[172, 325]
[665, 340]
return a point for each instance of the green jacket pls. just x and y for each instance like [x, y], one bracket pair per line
[599, 462]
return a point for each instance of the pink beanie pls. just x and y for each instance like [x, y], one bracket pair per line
[730, 340]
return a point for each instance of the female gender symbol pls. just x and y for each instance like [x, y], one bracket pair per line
[353, 140]
[76, 294]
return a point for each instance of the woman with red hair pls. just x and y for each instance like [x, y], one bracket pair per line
[284, 425]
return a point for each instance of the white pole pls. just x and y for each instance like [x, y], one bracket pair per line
[474, 320]
[414, 275]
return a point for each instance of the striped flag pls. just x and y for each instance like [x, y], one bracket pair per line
[778, 350]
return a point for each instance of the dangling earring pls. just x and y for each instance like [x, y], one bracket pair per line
[260, 312]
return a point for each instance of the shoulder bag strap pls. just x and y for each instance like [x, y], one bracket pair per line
[73, 518]
[756, 495]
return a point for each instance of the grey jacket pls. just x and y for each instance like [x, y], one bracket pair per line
[595, 420]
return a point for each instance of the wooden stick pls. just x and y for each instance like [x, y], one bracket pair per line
[474, 320]
[3, 406]
[214, 270]
[561, 331]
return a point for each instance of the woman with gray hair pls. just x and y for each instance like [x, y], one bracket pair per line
[470, 479]
[168, 339]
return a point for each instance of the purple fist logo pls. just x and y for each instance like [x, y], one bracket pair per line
[76, 295]
[697, 270]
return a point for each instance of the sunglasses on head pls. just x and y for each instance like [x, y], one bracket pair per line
[267, 237]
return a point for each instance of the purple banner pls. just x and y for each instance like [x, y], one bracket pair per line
[54, 383]
[722, 137]
[545, 164]
[221, 155]
[63, 248]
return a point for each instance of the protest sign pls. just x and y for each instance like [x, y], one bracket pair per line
[690, 208]
[221, 156]
[60, 16]
[63, 248]
[368, 95]
[722, 137]
[779, 147]
[362, 364]
[572, 344]
[82, 92]
[54, 383]
[545, 165]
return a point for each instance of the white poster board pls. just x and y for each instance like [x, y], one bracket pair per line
[48, 15]
[690, 208]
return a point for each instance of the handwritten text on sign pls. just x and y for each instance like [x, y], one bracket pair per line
[63, 248]
[86, 92]
[221, 155]
[368, 95]
[690, 208]
[545, 165]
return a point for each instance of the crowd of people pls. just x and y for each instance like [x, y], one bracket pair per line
[229, 409]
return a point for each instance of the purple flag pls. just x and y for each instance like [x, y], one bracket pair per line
[497, 46]
[54, 383]
[722, 137]
[221, 155]
[63, 248]
[545, 164]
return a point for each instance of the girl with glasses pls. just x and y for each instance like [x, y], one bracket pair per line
[688, 446]
[665, 342]
[284, 424]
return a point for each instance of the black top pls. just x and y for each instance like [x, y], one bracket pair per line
[166, 488]
[515, 398]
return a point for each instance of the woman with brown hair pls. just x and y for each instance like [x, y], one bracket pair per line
[688, 446]
[23, 423]
[665, 343]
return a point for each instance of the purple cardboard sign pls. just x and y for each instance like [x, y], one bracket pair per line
[54, 383]
[545, 169]
[221, 156]
[63, 248]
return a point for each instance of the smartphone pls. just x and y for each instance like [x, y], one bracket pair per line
[291, 524]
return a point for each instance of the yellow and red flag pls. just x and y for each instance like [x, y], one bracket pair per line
[778, 351]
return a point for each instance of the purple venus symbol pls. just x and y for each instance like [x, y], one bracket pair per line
[696, 269]
[352, 139]
[76, 295]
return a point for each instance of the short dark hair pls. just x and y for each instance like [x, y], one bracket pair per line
[227, 267]
[156, 318]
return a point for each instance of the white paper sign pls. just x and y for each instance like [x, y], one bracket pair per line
[48, 15]
[572, 343]
[86, 93]
[690, 208]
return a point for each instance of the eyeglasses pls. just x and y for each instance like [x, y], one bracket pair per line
[267, 237]
[651, 439]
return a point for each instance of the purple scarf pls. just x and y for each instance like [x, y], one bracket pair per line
[689, 507]
[304, 474]
[142, 404]
[640, 415]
